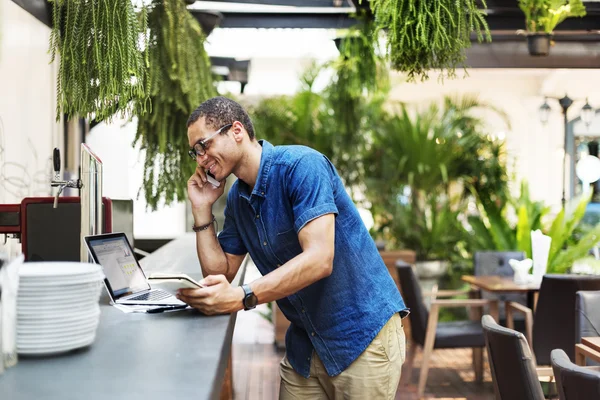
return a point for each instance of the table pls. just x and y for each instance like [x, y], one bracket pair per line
[503, 284]
[174, 355]
[590, 348]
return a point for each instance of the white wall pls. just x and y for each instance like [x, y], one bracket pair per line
[123, 167]
[28, 130]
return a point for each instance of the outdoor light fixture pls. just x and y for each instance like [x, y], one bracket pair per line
[587, 114]
[545, 111]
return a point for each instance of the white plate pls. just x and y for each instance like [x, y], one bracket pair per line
[45, 350]
[40, 331]
[46, 304]
[57, 311]
[56, 300]
[56, 339]
[54, 268]
[53, 283]
[36, 292]
[58, 327]
[55, 278]
[58, 318]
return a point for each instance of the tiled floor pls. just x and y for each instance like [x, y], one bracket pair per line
[256, 366]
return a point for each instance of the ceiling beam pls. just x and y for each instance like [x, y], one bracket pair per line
[294, 3]
[40, 9]
[285, 20]
[516, 55]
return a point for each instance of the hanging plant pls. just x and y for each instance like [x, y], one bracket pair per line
[180, 80]
[357, 89]
[102, 68]
[424, 34]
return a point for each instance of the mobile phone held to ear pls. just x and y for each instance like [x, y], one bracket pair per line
[211, 179]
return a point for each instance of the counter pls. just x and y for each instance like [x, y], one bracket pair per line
[173, 355]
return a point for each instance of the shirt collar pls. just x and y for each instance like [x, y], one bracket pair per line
[266, 160]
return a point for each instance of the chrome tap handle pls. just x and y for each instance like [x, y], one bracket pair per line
[60, 189]
[56, 160]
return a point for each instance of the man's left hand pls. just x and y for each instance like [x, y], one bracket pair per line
[217, 297]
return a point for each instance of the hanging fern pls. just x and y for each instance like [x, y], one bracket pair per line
[102, 68]
[181, 79]
[359, 81]
[425, 34]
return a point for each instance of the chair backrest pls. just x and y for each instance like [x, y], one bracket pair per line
[511, 362]
[572, 381]
[554, 319]
[496, 263]
[411, 293]
[587, 317]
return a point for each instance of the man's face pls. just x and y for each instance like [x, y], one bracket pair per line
[214, 149]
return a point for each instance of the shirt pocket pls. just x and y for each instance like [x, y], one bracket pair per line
[286, 244]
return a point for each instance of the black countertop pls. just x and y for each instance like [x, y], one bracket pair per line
[174, 355]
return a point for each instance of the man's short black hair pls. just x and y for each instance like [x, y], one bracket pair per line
[220, 111]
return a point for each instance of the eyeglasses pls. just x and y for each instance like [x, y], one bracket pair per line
[201, 146]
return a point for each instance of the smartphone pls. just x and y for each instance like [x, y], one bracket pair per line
[212, 180]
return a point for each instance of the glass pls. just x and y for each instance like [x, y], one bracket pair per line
[200, 147]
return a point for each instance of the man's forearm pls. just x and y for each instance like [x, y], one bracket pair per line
[298, 273]
[210, 254]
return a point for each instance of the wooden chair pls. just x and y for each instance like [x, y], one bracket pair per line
[552, 326]
[515, 374]
[496, 263]
[428, 333]
[514, 371]
[572, 381]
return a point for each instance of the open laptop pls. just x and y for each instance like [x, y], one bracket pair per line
[125, 280]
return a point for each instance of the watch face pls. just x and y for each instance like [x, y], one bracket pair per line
[250, 301]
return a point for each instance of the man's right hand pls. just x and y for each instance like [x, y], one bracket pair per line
[201, 193]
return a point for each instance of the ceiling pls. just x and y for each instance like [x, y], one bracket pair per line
[577, 40]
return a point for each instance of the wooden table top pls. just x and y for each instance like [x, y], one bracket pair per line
[592, 342]
[497, 284]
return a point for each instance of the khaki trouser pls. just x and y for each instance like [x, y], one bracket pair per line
[374, 375]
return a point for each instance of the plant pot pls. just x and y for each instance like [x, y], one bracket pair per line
[539, 43]
[431, 269]
[208, 19]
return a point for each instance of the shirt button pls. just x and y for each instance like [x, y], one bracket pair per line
[278, 265]
[303, 310]
[308, 358]
[263, 193]
[265, 243]
[312, 333]
[257, 216]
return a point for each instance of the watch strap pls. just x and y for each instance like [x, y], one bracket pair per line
[248, 293]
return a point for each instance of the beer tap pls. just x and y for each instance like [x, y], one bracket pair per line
[57, 181]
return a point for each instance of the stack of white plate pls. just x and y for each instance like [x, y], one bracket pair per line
[57, 306]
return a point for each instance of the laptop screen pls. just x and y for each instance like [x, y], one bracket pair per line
[123, 273]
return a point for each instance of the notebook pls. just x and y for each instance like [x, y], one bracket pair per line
[125, 280]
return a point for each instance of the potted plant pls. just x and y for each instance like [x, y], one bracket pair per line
[542, 16]
[571, 241]
[422, 170]
[429, 35]
[428, 222]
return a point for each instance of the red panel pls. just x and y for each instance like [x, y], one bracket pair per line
[71, 199]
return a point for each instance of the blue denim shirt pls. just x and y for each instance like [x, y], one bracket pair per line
[337, 316]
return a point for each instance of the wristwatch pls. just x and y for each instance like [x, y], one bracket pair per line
[250, 301]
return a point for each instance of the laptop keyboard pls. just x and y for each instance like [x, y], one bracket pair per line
[154, 295]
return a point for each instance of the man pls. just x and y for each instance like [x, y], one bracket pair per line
[289, 210]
